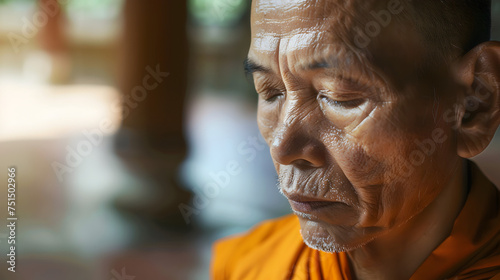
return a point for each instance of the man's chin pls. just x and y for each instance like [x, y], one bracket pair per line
[331, 239]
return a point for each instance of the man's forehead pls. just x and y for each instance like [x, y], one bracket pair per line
[328, 32]
[287, 15]
[299, 24]
[317, 29]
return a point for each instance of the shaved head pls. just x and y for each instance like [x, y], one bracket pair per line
[369, 108]
[453, 27]
[349, 90]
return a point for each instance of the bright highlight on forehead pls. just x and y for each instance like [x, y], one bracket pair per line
[300, 39]
[302, 22]
[288, 36]
[269, 10]
[307, 32]
[281, 4]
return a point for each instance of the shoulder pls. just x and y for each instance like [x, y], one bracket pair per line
[271, 240]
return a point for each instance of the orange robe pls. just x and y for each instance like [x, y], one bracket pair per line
[274, 250]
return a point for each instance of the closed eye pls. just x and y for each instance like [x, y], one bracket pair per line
[343, 104]
[350, 104]
[271, 95]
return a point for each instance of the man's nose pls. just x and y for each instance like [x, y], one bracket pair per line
[296, 142]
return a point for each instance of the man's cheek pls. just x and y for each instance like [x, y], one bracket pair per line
[266, 129]
[352, 157]
[380, 137]
[359, 167]
[366, 155]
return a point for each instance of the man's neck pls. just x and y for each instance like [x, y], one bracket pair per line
[398, 255]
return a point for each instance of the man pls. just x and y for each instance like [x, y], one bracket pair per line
[371, 109]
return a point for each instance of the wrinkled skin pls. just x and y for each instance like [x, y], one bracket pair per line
[342, 124]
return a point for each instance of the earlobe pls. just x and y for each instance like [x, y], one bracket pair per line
[479, 103]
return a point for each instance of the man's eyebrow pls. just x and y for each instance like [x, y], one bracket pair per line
[332, 62]
[251, 67]
[344, 68]
[318, 65]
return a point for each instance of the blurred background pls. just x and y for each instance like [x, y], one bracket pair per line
[132, 129]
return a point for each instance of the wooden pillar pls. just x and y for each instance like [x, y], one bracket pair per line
[155, 38]
[153, 80]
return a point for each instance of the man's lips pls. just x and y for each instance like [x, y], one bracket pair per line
[309, 205]
[332, 210]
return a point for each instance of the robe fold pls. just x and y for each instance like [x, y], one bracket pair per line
[274, 250]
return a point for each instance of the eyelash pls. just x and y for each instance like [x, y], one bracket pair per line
[271, 96]
[355, 102]
[348, 104]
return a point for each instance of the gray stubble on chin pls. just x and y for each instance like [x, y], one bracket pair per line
[321, 243]
[327, 243]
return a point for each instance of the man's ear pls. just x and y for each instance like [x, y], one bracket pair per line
[479, 103]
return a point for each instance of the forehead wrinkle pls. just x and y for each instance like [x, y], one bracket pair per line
[291, 33]
[338, 58]
[315, 8]
[279, 22]
[285, 6]
[288, 20]
[334, 20]
[306, 15]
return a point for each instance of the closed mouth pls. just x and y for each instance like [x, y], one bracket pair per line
[309, 205]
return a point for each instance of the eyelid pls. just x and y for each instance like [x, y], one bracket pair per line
[344, 84]
[352, 77]
[343, 104]
[271, 94]
[347, 100]
[342, 95]
[263, 83]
